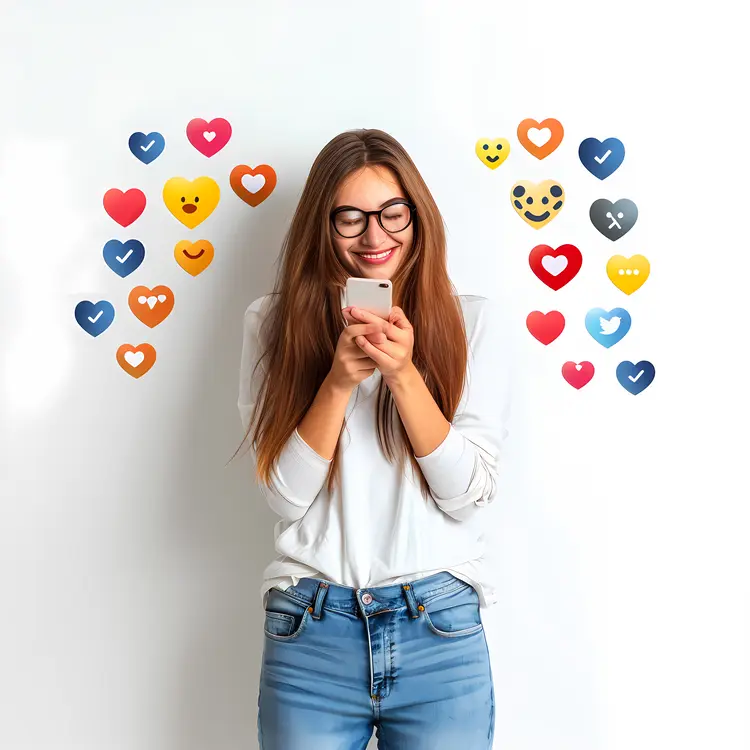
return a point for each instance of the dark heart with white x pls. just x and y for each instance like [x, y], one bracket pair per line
[613, 220]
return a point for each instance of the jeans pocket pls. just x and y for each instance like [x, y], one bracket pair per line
[285, 617]
[454, 615]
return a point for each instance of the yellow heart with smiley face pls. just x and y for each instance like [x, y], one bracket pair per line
[492, 153]
[537, 203]
[628, 274]
[191, 202]
[194, 257]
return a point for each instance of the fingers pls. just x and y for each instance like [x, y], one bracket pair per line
[363, 329]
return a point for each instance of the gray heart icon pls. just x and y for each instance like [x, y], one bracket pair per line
[613, 220]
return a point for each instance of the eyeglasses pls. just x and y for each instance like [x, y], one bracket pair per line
[351, 222]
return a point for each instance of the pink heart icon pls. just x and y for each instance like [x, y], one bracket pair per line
[209, 137]
[578, 374]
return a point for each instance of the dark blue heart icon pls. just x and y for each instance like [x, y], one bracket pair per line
[146, 148]
[95, 318]
[635, 377]
[124, 257]
[601, 158]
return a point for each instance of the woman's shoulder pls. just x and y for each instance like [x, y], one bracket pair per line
[484, 316]
[476, 306]
[260, 306]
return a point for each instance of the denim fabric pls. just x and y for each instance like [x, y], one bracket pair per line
[410, 660]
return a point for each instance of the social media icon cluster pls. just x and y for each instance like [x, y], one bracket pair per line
[191, 202]
[538, 204]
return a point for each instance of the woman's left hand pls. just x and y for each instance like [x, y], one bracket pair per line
[392, 355]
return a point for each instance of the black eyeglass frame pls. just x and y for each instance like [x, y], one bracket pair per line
[368, 214]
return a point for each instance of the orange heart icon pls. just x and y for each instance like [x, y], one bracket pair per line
[194, 257]
[251, 191]
[535, 141]
[151, 306]
[136, 360]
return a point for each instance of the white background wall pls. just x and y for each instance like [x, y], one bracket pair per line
[131, 556]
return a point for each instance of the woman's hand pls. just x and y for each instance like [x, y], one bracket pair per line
[392, 349]
[351, 365]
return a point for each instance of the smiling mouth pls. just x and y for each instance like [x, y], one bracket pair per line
[194, 257]
[533, 217]
[492, 158]
[379, 252]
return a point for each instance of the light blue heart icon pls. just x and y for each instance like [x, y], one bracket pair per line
[608, 327]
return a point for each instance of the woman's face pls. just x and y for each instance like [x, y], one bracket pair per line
[371, 189]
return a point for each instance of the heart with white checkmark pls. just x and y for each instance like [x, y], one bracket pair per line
[94, 317]
[146, 148]
[635, 378]
[601, 158]
[124, 257]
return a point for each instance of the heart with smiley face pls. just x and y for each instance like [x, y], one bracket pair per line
[537, 203]
[492, 153]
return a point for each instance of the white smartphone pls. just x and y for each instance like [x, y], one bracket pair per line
[373, 295]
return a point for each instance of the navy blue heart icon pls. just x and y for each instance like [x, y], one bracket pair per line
[601, 158]
[94, 318]
[635, 378]
[146, 148]
[124, 257]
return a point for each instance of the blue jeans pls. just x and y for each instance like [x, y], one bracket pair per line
[409, 659]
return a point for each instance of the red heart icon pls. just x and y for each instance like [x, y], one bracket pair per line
[126, 207]
[209, 137]
[578, 374]
[545, 328]
[555, 268]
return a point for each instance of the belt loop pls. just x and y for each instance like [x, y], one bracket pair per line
[320, 596]
[411, 600]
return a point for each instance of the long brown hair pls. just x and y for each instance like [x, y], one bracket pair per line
[300, 332]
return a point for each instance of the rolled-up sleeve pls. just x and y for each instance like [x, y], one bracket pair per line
[299, 473]
[463, 470]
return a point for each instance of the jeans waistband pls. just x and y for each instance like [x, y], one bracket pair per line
[320, 594]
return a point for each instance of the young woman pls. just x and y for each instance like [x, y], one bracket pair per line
[372, 605]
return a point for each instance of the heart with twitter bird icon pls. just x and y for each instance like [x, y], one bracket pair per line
[608, 327]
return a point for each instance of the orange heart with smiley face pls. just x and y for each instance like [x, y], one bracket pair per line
[194, 257]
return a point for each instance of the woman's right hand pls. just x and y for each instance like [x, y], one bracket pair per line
[350, 364]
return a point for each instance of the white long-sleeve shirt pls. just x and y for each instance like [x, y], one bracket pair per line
[376, 528]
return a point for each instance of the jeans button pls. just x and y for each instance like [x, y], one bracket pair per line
[366, 598]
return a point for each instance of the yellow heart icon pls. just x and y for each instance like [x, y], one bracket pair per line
[537, 203]
[194, 257]
[191, 202]
[628, 274]
[492, 153]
